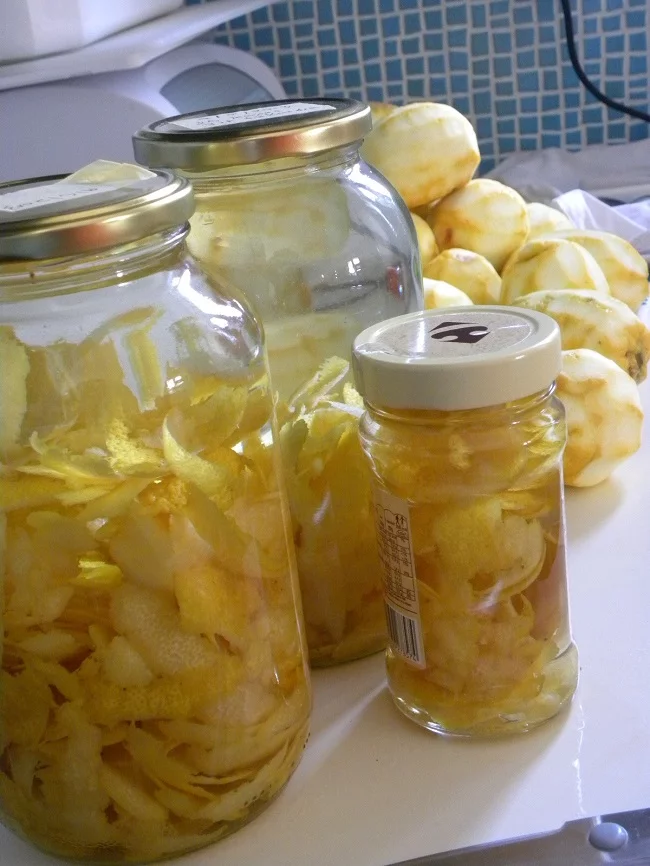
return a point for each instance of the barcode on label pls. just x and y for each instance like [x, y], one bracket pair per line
[405, 635]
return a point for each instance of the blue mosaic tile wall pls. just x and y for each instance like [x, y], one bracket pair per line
[503, 63]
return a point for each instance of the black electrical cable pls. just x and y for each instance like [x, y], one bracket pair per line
[565, 5]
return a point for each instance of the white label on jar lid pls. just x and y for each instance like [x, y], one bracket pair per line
[452, 335]
[246, 115]
[51, 193]
[400, 585]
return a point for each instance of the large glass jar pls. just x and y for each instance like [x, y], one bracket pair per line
[465, 439]
[322, 246]
[154, 691]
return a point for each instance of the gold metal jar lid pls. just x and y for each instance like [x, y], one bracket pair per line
[55, 217]
[261, 131]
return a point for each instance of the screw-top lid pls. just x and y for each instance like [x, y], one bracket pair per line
[457, 358]
[53, 217]
[241, 135]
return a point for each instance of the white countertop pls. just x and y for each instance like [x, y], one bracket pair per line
[373, 788]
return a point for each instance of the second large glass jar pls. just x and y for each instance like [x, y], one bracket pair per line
[322, 246]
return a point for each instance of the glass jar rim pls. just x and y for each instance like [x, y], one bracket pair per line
[45, 218]
[243, 135]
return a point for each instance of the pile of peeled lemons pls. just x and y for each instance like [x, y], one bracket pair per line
[480, 242]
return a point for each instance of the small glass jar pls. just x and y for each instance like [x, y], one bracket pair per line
[322, 246]
[154, 690]
[465, 439]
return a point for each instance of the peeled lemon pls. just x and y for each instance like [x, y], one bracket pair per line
[544, 220]
[379, 110]
[426, 150]
[604, 416]
[550, 263]
[467, 271]
[426, 240]
[625, 269]
[485, 216]
[589, 320]
[438, 294]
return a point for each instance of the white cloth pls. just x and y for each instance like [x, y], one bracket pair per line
[628, 221]
[542, 175]
[567, 180]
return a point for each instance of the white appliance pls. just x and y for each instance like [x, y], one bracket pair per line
[60, 112]
[31, 28]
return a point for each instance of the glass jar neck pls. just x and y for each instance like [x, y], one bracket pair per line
[20, 280]
[286, 167]
[484, 416]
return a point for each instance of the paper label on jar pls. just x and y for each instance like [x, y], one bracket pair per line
[248, 115]
[400, 584]
[47, 194]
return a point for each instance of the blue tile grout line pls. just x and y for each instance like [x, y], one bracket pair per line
[503, 63]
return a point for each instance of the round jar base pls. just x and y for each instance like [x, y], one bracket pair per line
[67, 853]
[562, 673]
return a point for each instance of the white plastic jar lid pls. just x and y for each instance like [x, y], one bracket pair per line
[457, 358]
